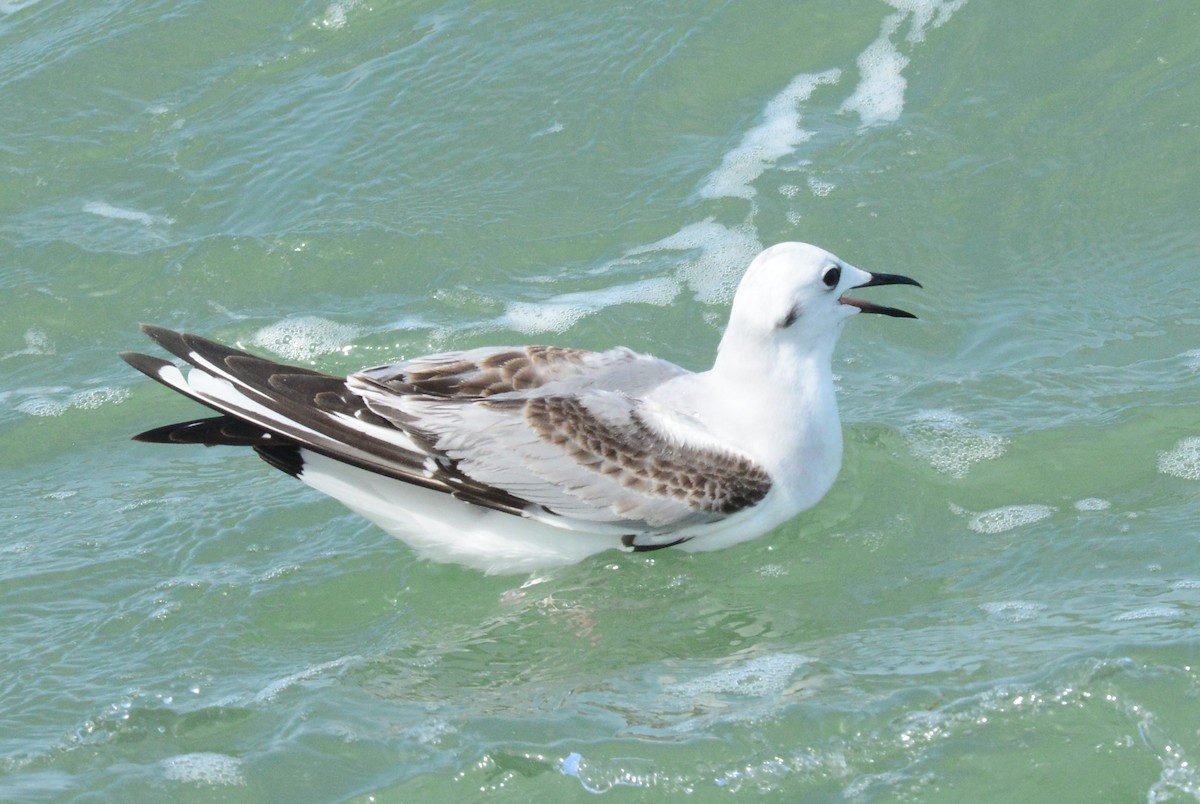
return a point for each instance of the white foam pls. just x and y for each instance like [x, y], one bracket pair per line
[111, 212]
[820, 188]
[708, 258]
[335, 15]
[96, 397]
[1150, 613]
[776, 136]
[204, 767]
[36, 343]
[559, 313]
[950, 443]
[879, 94]
[772, 571]
[43, 404]
[1008, 517]
[304, 337]
[759, 677]
[926, 14]
[553, 128]
[1014, 611]
[1092, 504]
[1182, 460]
[720, 255]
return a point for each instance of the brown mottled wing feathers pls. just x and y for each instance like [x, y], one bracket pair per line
[482, 374]
[641, 460]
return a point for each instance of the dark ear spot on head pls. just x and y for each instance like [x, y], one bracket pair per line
[790, 318]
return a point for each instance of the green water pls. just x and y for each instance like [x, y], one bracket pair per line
[998, 601]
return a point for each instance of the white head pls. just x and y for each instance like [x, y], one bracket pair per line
[791, 296]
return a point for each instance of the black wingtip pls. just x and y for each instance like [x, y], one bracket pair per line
[174, 342]
[149, 365]
[154, 330]
[629, 540]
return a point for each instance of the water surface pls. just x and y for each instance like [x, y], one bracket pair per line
[998, 600]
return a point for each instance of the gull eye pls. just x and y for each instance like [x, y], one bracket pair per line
[832, 276]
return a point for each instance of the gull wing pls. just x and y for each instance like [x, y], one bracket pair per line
[602, 456]
[535, 431]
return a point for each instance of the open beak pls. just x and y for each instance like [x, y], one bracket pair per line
[881, 279]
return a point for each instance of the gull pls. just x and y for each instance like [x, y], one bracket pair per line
[513, 459]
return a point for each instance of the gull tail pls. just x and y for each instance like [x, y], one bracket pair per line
[226, 431]
[272, 407]
[287, 413]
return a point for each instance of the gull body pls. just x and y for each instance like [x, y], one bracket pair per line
[512, 459]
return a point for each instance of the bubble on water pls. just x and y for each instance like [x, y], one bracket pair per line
[1182, 460]
[207, 768]
[1150, 613]
[95, 397]
[1013, 611]
[950, 443]
[999, 520]
[304, 337]
[51, 402]
[1092, 504]
[759, 677]
[43, 406]
[820, 188]
[36, 343]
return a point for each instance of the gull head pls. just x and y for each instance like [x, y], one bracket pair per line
[794, 293]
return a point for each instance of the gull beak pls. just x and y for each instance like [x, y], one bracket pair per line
[881, 279]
